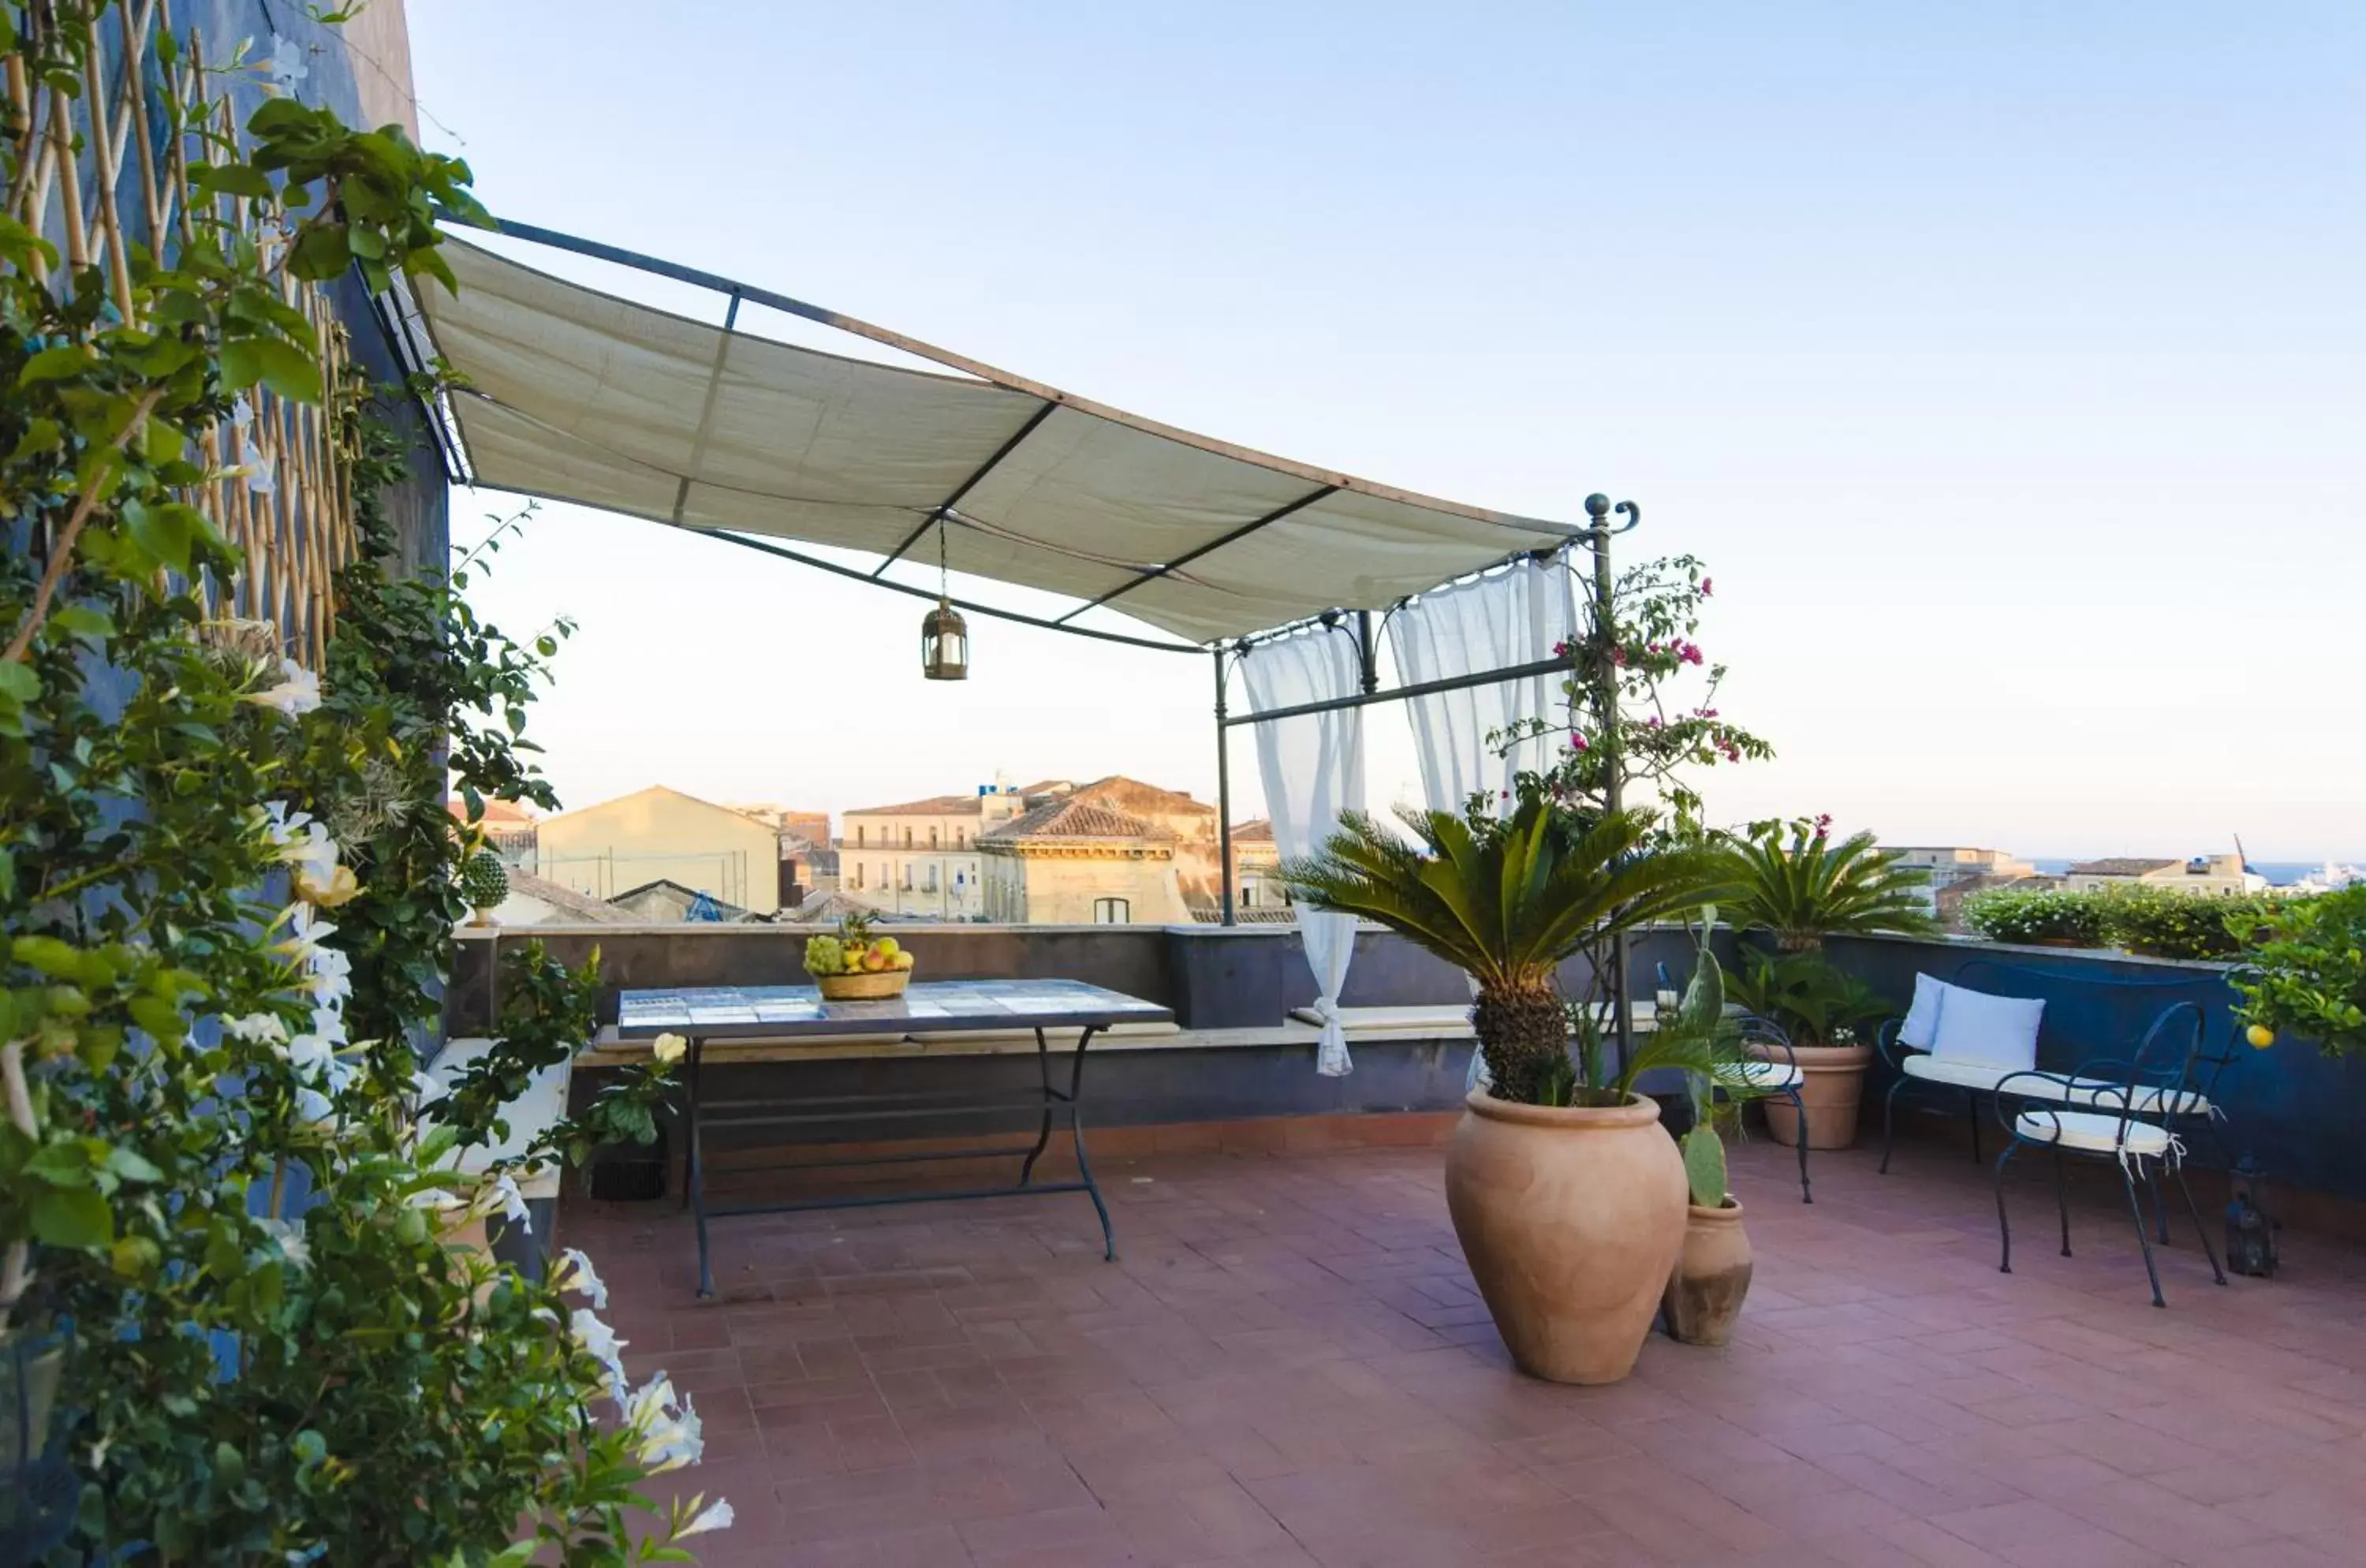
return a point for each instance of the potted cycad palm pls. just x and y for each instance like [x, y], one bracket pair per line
[1791, 883]
[1567, 1194]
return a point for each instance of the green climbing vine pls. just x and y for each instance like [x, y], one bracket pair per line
[237, 1213]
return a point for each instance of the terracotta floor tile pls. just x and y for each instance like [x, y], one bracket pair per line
[1289, 1366]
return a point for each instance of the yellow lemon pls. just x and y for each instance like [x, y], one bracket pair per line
[2260, 1036]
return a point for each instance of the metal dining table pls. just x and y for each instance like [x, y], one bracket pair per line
[947, 1008]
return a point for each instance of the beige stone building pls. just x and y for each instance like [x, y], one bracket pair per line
[1960, 870]
[921, 857]
[662, 835]
[1257, 868]
[2217, 876]
[1070, 861]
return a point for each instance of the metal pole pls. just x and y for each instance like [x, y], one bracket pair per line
[1224, 792]
[1605, 739]
[1368, 652]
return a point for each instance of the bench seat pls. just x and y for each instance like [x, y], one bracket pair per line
[1984, 1076]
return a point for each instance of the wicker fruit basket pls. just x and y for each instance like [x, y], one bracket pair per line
[871, 986]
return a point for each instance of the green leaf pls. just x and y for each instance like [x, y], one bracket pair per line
[229, 1465]
[19, 680]
[232, 179]
[288, 370]
[167, 533]
[56, 364]
[133, 1166]
[75, 1218]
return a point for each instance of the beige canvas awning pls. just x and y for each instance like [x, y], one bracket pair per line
[580, 396]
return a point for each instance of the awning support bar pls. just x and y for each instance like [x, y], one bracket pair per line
[943, 510]
[1559, 665]
[970, 607]
[1188, 557]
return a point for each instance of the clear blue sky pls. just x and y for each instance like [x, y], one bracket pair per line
[2006, 362]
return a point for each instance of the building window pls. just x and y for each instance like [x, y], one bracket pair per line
[908, 838]
[929, 879]
[858, 874]
[1112, 912]
[859, 831]
[932, 835]
[1248, 896]
[907, 876]
[961, 838]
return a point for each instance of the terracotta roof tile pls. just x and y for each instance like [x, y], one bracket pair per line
[1066, 819]
[935, 806]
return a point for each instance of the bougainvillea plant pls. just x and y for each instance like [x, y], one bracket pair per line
[235, 1212]
[1667, 721]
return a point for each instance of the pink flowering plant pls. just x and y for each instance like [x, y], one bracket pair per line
[1669, 722]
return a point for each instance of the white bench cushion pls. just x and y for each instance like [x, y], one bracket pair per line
[2092, 1132]
[1980, 1075]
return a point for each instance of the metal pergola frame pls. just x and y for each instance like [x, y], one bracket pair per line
[406, 329]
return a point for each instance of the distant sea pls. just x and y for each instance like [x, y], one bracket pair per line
[2278, 873]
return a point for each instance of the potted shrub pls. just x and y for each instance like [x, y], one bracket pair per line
[2037, 917]
[1827, 1015]
[484, 882]
[1567, 1194]
[2159, 922]
[2308, 977]
[1704, 1291]
[1795, 886]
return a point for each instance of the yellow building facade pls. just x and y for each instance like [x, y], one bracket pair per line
[660, 834]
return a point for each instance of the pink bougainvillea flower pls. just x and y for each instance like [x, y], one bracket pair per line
[1706, 584]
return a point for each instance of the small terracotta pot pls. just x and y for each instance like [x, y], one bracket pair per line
[1571, 1219]
[1833, 1084]
[1712, 1275]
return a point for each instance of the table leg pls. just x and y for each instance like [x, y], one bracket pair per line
[1044, 1072]
[694, 1171]
[1077, 1130]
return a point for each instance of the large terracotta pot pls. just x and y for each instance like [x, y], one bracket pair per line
[1832, 1087]
[1712, 1276]
[1571, 1219]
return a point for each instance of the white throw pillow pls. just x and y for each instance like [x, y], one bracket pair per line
[1997, 1032]
[1921, 1025]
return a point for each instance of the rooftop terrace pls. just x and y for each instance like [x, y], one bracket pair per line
[1288, 1366]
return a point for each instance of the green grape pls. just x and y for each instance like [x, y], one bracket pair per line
[824, 955]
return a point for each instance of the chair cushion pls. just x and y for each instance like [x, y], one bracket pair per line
[2001, 1031]
[1765, 1076]
[1921, 1024]
[2091, 1132]
[2149, 1100]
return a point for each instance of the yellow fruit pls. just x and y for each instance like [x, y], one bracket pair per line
[2260, 1036]
[903, 961]
[875, 961]
[890, 945]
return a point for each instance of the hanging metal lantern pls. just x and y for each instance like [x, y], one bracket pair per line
[944, 636]
[944, 644]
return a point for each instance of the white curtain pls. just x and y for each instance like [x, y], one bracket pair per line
[1313, 770]
[1496, 622]
[1505, 618]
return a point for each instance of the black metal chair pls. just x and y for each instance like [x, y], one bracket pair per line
[2113, 1110]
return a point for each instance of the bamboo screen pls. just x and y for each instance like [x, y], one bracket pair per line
[101, 173]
